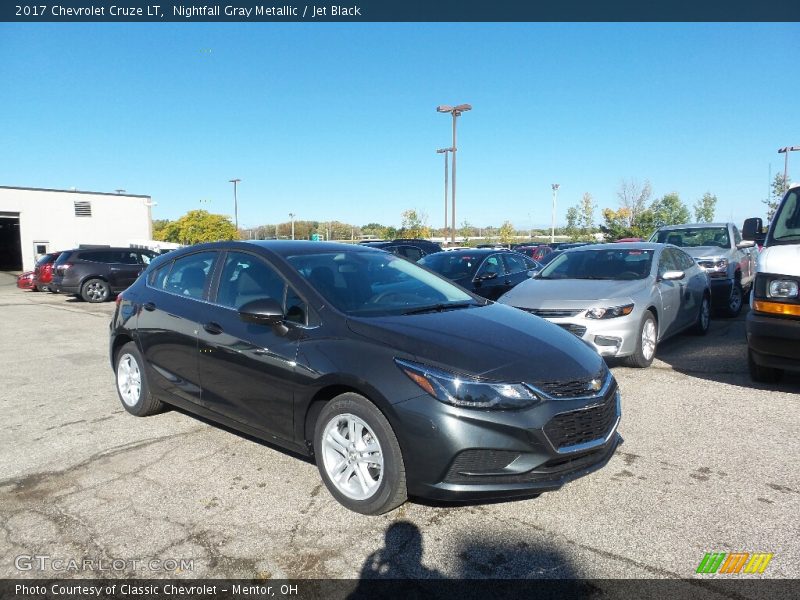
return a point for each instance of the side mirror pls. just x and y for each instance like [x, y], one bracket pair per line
[264, 311]
[753, 230]
[745, 244]
[673, 275]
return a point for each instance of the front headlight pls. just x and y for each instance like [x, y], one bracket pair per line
[465, 391]
[783, 288]
[609, 313]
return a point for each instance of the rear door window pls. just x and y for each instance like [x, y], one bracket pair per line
[190, 275]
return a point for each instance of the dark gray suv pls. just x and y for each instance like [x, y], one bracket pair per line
[95, 274]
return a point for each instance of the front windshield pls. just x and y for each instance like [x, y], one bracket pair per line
[364, 283]
[619, 264]
[454, 264]
[694, 237]
[786, 223]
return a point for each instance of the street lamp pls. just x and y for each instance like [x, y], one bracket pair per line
[555, 187]
[445, 151]
[291, 216]
[235, 203]
[786, 161]
[456, 111]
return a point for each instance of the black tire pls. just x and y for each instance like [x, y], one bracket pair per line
[703, 322]
[142, 403]
[761, 374]
[42, 288]
[95, 290]
[390, 480]
[643, 357]
[735, 300]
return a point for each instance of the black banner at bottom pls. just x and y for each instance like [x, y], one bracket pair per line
[445, 589]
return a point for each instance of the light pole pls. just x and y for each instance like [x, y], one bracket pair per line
[456, 111]
[555, 187]
[445, 151]
[786, 162]
[291, 216]
[235, 182]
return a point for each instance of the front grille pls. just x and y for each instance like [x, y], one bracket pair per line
[706, 264]
[584, 425]
[554, 313]
[577, 388]
[578, 330]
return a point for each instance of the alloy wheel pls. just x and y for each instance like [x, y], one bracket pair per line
[129, 379]
[649, 339]
[352, 456]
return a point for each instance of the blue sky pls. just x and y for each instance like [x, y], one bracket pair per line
[338, 121]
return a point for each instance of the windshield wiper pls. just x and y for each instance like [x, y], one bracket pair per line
[439, 307]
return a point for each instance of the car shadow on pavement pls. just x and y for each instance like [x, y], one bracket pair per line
[399, 561]
[720, 355]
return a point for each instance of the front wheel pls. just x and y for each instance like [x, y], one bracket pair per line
[734, 306]
[703, 322]
[646, 343]
[358, 456]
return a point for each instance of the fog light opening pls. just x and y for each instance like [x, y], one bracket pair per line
[602, 340]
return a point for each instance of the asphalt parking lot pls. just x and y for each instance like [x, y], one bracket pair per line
[709, 464]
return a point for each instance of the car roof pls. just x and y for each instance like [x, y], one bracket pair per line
[691, 226]
[619, 246]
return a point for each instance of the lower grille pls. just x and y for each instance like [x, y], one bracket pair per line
[482, 463]
[578, 330]
[585, 425]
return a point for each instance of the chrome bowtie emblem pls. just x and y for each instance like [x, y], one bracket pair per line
[595, 385]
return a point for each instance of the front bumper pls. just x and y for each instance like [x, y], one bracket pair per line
[773, 341]
[461, 454]
[609, 337]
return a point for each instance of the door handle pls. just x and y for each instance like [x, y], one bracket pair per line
[150, 306]
[213, 328]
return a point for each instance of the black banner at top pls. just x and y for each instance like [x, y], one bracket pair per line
[366, 11]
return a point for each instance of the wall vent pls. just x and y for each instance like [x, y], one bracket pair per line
[83, 209]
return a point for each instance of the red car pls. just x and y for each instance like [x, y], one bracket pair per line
[25, 281]
[44, 271]
[535, 252]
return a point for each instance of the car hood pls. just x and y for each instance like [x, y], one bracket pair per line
[571, 293]
[706, 251]
[493, 341]
[783, 259]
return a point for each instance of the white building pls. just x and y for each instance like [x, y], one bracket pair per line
[36, 221]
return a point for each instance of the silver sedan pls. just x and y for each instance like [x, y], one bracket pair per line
[623, 299]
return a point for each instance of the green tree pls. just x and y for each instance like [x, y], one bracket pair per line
[158, 226]
[414, 224]
[778, 188]
[633, 198]
[198, 226]
[586, 217]
[669, 210]
[571, 228]
[506, 233]
[616, 224]
[705, 207]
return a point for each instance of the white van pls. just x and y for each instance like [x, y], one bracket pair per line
[773, 323]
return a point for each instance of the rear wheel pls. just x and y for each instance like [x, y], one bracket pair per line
[761, 374]
[42, 288]
[645, 344]
[95, 290]
[132, 384]
[358, 456]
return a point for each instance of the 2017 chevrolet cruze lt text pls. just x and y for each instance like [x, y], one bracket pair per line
[395, 380]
